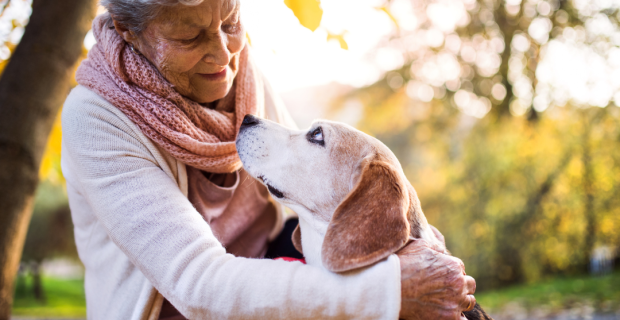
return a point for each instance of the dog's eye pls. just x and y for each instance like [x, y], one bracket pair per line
[316, 136]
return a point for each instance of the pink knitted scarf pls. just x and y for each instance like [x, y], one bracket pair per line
[194, 134]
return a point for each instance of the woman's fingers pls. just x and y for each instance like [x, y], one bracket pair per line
[414, 247]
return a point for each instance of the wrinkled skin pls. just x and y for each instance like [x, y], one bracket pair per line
[193, 45]
[434, 285]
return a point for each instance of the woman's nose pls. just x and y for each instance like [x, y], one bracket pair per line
[218, 52]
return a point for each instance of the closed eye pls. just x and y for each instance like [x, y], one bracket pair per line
[277, 193]
[189, 41]
[316, 136]
[232, 28]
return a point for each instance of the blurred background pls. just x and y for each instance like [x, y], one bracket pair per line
[504, 114]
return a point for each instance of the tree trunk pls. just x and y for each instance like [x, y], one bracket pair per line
[508, 28]
[37, 284]
[32, 89]
[509, 252]
[588, 190]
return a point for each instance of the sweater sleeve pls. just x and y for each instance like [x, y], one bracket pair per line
[146, 215]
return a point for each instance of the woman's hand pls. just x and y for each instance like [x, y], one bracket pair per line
[433, 284]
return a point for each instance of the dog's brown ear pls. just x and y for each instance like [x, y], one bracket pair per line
[296, 237]
[371, 223]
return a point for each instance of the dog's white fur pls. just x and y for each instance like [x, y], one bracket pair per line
[315, 179]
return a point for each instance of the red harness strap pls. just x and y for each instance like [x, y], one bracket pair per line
[290, 259]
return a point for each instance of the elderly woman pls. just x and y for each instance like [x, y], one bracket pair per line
[167, 223]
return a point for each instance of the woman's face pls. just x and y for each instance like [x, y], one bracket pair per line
[196, 48]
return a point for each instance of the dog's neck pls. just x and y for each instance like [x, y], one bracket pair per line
[312, 236]
[313, 231]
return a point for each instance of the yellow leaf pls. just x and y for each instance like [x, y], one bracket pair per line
[389, 14]
[308, 12]
[50, 164]
[339, 38]
[247, 37]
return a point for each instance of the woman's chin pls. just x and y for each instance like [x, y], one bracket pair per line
[210, 93]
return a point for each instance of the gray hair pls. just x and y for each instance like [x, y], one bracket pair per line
[136, 14]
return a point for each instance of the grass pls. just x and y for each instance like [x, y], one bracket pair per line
[602, 292]
[63, 298]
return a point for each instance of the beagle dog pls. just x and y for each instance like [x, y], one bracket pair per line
[354, 203]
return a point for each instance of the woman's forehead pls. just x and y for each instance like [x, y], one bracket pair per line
[199, 16]
[229, 6]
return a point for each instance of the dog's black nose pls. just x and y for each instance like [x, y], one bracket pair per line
[249, 121]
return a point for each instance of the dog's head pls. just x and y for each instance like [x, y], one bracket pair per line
[343, 178]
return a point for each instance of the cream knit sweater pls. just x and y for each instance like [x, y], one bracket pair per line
[138, 235]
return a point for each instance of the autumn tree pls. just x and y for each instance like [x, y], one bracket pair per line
[503, 114]
[32, 88]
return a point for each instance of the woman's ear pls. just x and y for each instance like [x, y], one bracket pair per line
[371, 223]
[128, 35]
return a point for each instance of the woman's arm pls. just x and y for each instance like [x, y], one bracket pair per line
[152, 222]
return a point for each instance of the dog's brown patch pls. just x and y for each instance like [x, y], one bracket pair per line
[371, 223]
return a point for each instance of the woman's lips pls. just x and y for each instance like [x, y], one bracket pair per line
[221, 75]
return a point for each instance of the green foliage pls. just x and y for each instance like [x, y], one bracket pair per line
[517, 204]
[517, 200]
[521, 189]
[64, 298]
